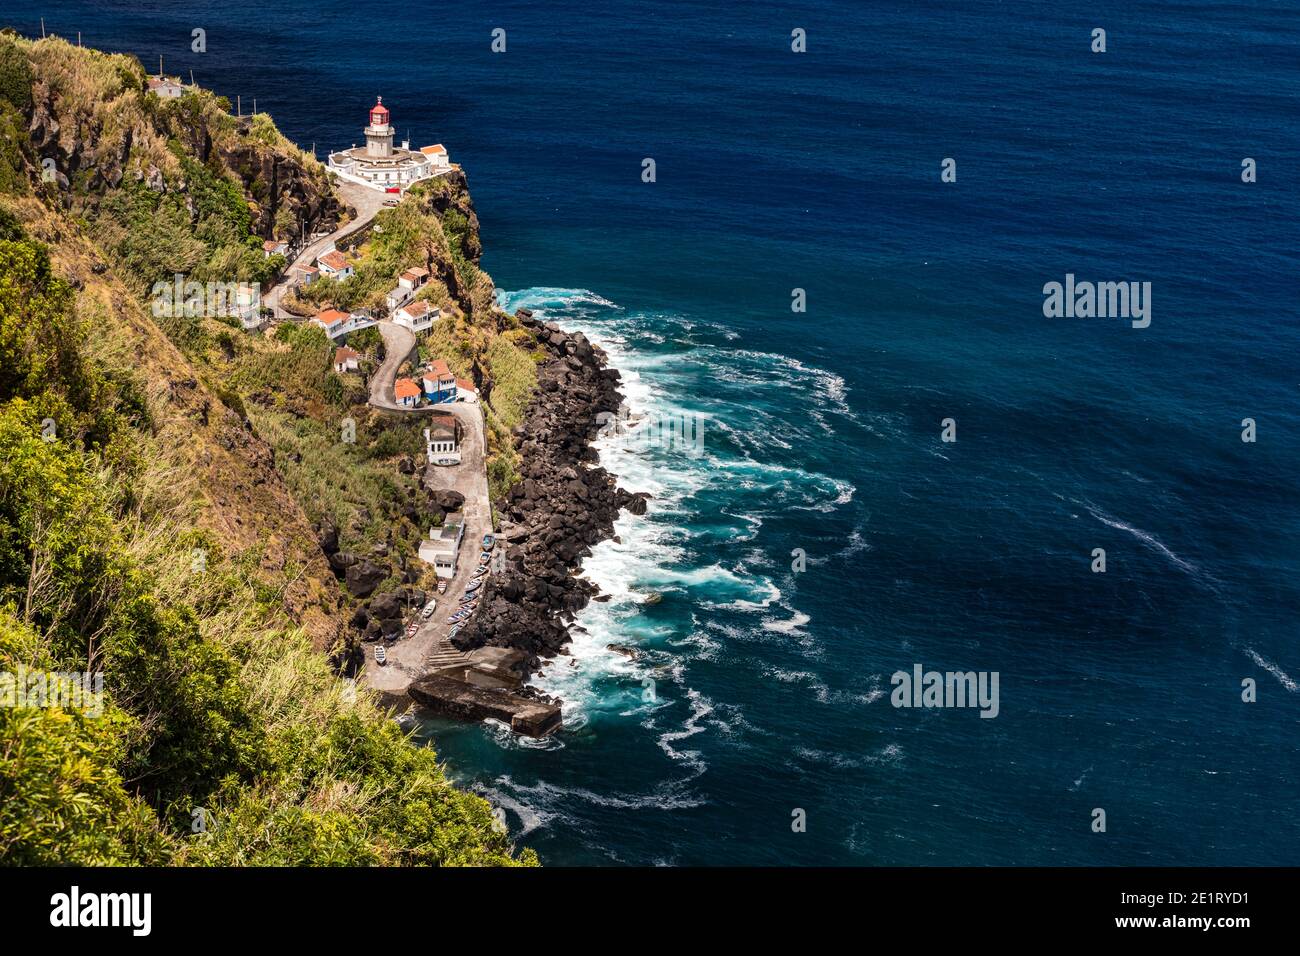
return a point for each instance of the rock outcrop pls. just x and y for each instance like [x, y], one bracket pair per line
[562, 505]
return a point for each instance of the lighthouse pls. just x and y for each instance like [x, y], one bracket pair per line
[379, 134]
[381, 165]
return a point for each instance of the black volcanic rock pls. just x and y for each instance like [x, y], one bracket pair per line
[363, 577]
[560, 507]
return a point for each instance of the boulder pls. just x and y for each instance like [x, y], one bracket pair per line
[363, 577]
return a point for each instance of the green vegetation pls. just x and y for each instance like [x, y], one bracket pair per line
[122, 554]
[15, 75]
[208, 715]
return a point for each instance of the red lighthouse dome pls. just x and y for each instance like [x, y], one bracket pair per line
[379, 113]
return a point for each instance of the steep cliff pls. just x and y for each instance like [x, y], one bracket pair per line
[149, 533]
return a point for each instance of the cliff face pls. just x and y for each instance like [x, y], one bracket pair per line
[152, 533]
[92, 125]
[92, 133]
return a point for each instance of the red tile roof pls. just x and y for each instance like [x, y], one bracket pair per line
[439, 368]
[466, 384]
[343, 353]
[405, 388]
[332, 317]
[416, 309]
[334, 260]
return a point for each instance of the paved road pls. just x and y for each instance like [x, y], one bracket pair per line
[411, 658]
[399, 343]
[367, 202]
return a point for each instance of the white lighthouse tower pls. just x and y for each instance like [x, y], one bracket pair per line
[379, 134]
[381, 165]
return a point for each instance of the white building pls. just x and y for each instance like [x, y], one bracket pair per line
[443, 545]
[413, 278]
[346, 359]
[381, 165]
[442, 440]
[398, 297]
[338, 324]
[168, 87]
[333, 265]
[417, 316]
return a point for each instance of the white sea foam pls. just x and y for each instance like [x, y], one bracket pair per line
[654, 554]
[1282, 677]
[1150, 541]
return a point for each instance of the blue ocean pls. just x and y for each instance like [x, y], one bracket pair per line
[822, 535]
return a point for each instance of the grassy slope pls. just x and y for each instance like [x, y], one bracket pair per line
[219, 707]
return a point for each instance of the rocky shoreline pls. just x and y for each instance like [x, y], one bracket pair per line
[561, 507]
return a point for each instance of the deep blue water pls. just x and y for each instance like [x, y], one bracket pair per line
[820, 171]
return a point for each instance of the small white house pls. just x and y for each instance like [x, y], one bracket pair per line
[337, 324]
[333, 265]
[437, 154]
[465, 391]
[406, 392]
[275, 247]
[168, 87]
[413, 278]
[303, 275]
[443, 545]
[398, 297]
[346, 359]
[417, 316]
[442, 440]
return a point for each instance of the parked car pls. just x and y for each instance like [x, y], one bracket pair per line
[381, 655]
[390, 202]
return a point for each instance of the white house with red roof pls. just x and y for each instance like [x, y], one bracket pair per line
[417, 316]
[406, 392]
[337, 323]
[334, 265]
[413, 278]
[346, 359]
[437, 154]
[381, 165]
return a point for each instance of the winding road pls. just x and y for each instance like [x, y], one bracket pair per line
[412, 657]
[367, 203]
